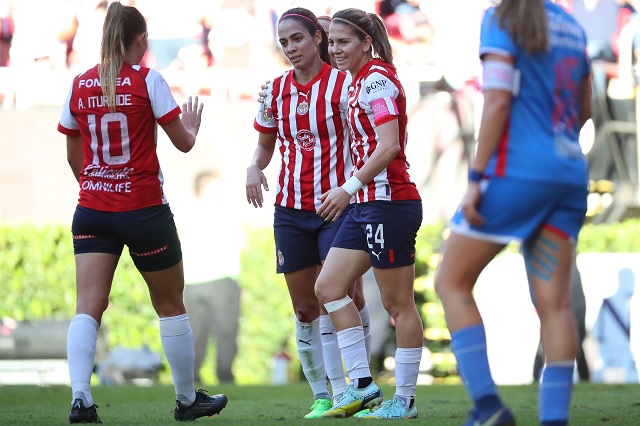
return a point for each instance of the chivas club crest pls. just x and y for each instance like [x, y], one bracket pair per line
[303, 108]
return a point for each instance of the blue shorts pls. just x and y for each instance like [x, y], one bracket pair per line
[150, 233]
[302, 238]
[386, 230]
[514, 210]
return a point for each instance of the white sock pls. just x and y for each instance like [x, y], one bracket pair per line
[309, 344]
[365, 317]
[332, 356]
[177, 342]
[351, 343]
[407, 367]
[81, 353]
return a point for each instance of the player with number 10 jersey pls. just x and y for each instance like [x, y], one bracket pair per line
[118, 174]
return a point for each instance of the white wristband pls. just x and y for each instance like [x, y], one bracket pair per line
[352, 185]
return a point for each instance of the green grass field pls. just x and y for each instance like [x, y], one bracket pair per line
[611, 405]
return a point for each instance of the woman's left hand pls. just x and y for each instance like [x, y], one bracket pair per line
[334, 202]
[192, 115]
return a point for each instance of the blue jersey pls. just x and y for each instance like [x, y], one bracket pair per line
[540, 140]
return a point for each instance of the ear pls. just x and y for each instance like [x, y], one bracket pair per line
[366, 44]
[318, 37]
[140, 38]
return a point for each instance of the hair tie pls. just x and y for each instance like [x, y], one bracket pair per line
[301, 16]
[353, 25]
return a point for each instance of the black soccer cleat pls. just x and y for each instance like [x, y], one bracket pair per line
[81, 414]
[204, 405]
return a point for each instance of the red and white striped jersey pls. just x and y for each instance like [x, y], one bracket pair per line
[120, 170]
[312, 135]
[376, 97]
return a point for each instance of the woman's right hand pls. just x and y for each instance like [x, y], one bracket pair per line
[256, 180]
[469, 205]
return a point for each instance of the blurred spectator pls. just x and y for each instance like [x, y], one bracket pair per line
[212, 239]
[172, 28]
[599, 19]
[404, 19]
[89, 17]
[39, 50]
[6, 30]
[6, 35]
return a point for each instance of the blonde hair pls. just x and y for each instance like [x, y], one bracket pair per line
[121, 25]
[526, 22]
[368, 24]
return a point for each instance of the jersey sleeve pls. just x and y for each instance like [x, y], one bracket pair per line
[68, 124]
[265, 121]
[163, 104]
[493, 38]
[381, 93]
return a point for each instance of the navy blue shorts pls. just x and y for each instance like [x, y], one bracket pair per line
[386, 230]
[302, 237]
[150, 233]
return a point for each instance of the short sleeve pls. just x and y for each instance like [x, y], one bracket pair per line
[68, 124]
[265, 121]
[381, 93]
[493, 38]
[163, 104]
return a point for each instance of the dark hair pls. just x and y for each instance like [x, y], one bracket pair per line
[526, 22]
[121, 26]
[309, 21]
[368, 24]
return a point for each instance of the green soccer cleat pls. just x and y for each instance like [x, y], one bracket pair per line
[319, 406]
[392, 409]
[354, 400]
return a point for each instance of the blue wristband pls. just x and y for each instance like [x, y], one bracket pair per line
[475, 176]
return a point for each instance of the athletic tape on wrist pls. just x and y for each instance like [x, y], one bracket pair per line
[352, 185]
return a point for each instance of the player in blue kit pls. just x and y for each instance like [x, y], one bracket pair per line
[527, 183]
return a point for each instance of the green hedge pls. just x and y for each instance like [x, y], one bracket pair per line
[37, 282]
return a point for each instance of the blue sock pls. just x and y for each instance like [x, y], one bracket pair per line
[556, 386]
[469, 345]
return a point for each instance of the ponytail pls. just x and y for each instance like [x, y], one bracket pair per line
[121, 25]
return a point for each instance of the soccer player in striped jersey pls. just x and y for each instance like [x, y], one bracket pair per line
[527, 183]
[380, 230]
[109, 120]
[303, 115]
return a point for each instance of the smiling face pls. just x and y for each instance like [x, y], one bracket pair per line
[345, 47]
[300, 47]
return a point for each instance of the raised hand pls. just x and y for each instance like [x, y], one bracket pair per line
[192, 115]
